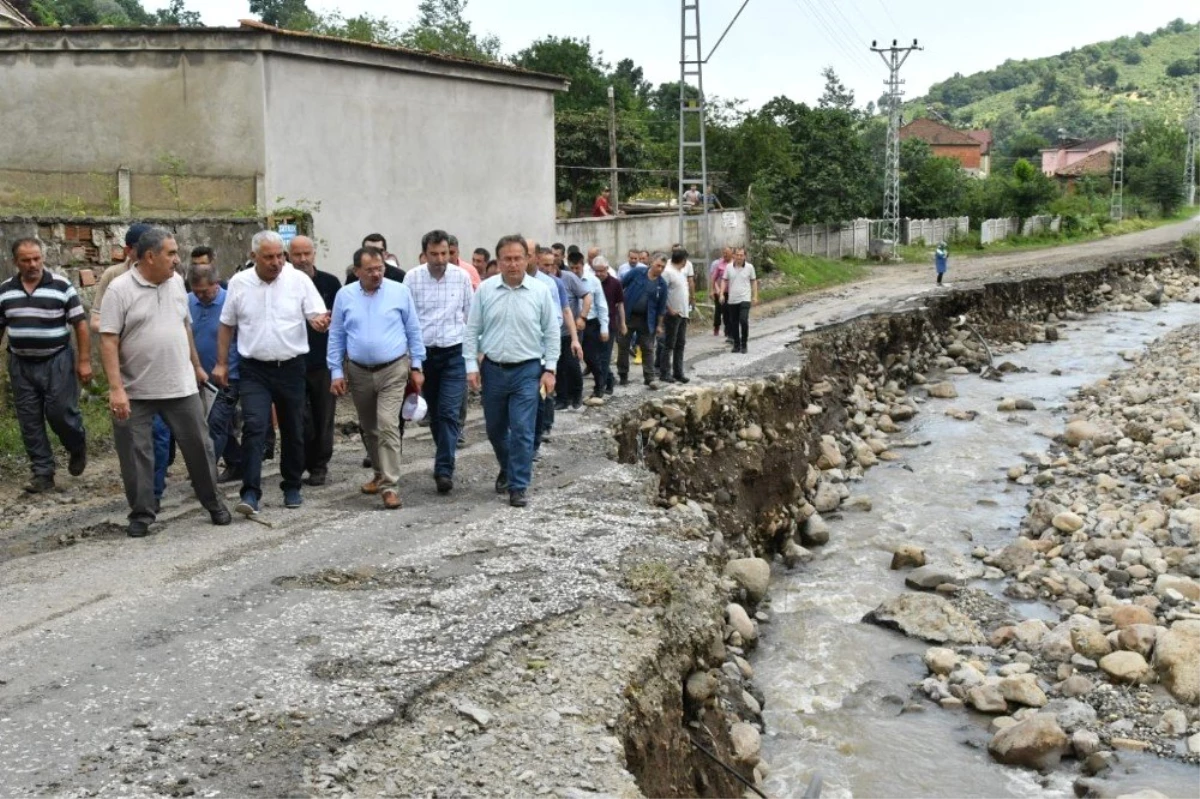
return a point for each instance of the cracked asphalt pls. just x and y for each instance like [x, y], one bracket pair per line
[206, 660]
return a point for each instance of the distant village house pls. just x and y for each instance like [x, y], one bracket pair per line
[971, 148]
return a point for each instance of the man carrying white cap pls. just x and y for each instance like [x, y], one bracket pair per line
[375, 344]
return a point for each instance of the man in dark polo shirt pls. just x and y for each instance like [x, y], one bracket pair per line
[39, 309]
[319, 403]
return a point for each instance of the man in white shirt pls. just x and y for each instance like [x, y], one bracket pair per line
[632, 260]
[674, 337]
[740, 288]
[268, 308]
[442, 294]
[593, 322]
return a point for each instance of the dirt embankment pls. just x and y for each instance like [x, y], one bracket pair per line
[764, 458]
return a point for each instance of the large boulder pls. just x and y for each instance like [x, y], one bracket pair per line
[928, 617]
[1022, 689]
[752, 574]
[1125, 615]
[747, 743]
[1079, 431]
[908, 556]
[928, 578]
[1126, 667]
[1037, 742]
[1177, 660]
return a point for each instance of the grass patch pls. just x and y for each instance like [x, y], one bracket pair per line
[798, 274]
[97, 421]
[653, 581]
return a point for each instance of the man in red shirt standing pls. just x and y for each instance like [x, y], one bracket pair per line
[601, 206]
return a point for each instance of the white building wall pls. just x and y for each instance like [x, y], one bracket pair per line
[402, 153]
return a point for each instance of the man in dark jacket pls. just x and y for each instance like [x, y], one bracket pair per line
[645, 308]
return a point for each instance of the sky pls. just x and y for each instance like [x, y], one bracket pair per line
[780, 46]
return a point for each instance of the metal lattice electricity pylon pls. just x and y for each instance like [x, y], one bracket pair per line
[893, 58]
[693, 154]
[1116, 206]
[1189, 157]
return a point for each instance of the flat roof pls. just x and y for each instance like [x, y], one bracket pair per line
[254, 36]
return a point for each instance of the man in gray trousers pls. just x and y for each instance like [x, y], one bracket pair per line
[152, 367]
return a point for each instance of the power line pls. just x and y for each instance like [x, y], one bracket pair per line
[856, 60]
[889, 13]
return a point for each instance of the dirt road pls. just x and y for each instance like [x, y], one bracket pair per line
[235, 659]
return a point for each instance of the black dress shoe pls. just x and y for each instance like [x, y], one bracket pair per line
[367, 463]
[40, 484]
[137, 529]
[501, 483]
[77, 463]
[318, 477]
[444, 484]
[517, 499]
[221, 516]
[229, 475]
[682, 379]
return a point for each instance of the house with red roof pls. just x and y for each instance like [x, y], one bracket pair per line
[946, 142]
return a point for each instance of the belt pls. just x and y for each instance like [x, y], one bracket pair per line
[511, 365]
[377, 366]
[274, 364]
[440, 350]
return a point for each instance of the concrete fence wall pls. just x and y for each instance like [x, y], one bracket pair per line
[998, 229]
[931, 231]
[837, 240]
[1040, 224]
[82, 248]
[615, 235]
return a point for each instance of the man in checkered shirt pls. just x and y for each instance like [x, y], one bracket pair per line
[442, 294]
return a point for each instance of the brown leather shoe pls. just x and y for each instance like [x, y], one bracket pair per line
[391, 500]
[371, 487]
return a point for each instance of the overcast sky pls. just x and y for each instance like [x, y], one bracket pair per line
[780, 46]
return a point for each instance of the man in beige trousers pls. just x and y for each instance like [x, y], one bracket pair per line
[375, 345]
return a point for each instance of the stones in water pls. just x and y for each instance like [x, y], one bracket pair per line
[752, 574]
[943, 390]
[1037, 742]
[928, 578]
[928, 617]
[908, 556]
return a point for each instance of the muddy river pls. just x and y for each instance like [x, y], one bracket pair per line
[835, 687]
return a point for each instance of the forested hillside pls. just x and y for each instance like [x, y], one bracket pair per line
[1152, 74]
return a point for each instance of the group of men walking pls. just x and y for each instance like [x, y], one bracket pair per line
[278, 343]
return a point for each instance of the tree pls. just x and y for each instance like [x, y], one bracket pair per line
[572, 58]
[836, 95]
[1182, 67]
[177, 15]
[442, 28]
[281, 13]
[1029, 191]
[930, 186]
[1025, 144]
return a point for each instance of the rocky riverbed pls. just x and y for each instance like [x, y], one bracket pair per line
[1111, 542]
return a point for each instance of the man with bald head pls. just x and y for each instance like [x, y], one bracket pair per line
[592, 254]
[319, 403]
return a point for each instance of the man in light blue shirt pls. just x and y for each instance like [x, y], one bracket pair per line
[568, 347]
[375, 345]
[514, 326]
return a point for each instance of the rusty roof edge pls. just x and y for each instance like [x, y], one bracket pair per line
[256, 36]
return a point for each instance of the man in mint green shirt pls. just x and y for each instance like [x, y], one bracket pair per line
[513, 325]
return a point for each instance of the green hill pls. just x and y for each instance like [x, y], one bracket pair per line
[1153, 75]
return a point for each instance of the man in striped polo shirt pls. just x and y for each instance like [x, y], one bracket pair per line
[38, 309]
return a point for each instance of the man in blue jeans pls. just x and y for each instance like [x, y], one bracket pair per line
[514, 326]
[205, 302]
[442, 293]
[269, 308]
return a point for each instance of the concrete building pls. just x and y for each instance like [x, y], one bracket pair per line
[249, 120]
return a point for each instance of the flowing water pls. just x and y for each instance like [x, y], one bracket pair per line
[834, 686]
